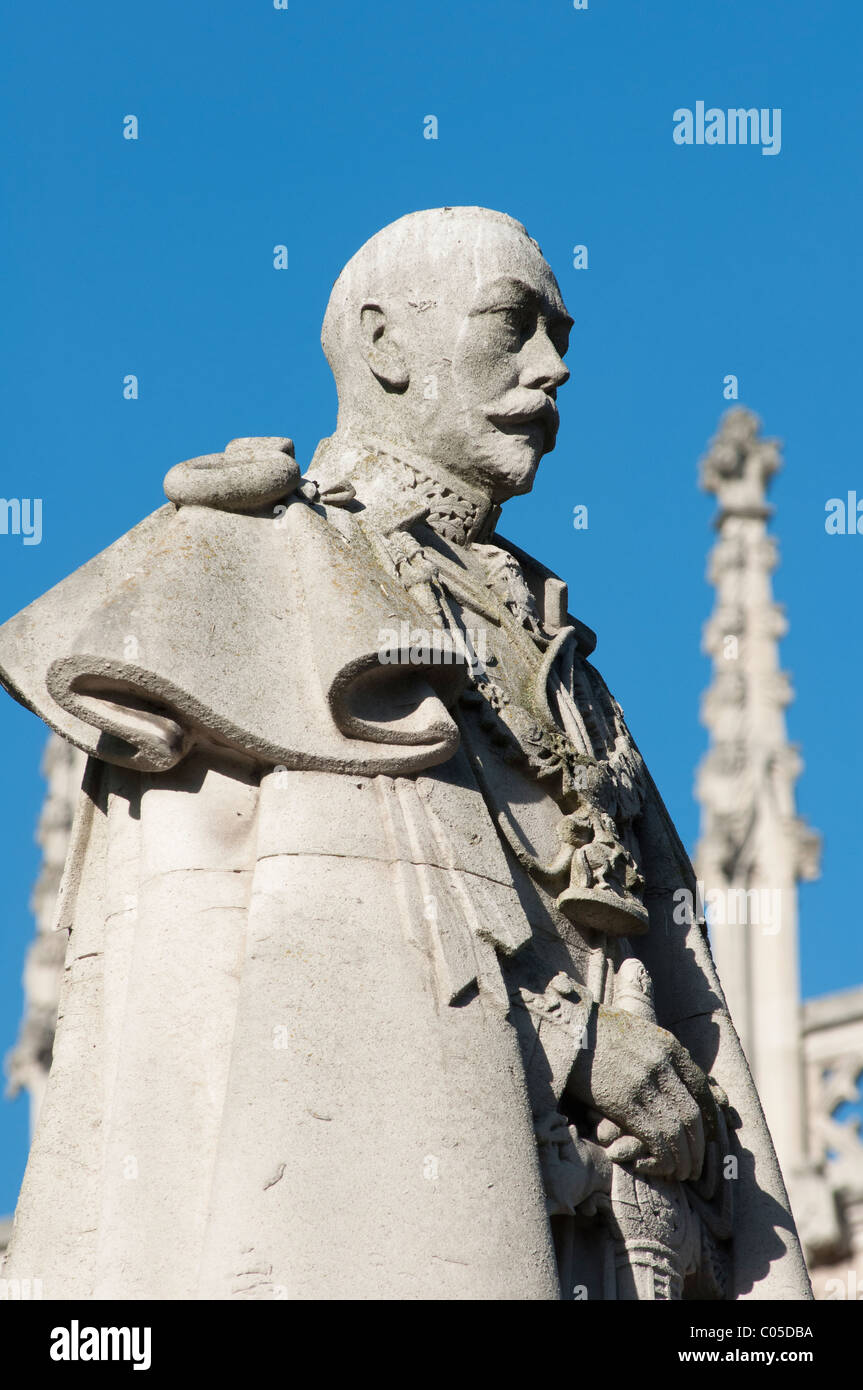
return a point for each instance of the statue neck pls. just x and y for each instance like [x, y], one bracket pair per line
[387, 477]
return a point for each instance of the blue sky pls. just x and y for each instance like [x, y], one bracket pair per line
[259, 127]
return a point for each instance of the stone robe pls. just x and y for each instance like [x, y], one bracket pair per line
[324, 981]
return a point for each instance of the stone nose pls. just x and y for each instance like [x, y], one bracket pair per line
[544, 368]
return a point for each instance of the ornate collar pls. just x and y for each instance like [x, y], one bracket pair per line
[388, 482]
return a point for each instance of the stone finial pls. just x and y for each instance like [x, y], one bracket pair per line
[738, 466]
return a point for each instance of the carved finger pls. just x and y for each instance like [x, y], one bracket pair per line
[644, 1125]
[718, 1094]
[627, 1148]
[693, 1125]
[607, 1131]
[697, 1085]
[679, 1110]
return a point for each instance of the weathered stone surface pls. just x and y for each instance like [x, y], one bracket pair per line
[374, 986]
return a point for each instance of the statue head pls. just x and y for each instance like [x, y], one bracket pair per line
[445, 334]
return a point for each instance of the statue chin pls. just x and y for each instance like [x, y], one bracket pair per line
[501, 465]
[514, 473]
[500, 461]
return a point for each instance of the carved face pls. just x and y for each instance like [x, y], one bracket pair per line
[488, 362]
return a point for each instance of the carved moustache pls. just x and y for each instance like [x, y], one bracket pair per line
[525, 407]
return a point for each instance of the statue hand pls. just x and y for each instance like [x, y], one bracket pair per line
[641, 1078]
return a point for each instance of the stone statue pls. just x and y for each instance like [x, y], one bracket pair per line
[375, 985]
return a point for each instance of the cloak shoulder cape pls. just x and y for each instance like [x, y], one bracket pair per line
[278, 831]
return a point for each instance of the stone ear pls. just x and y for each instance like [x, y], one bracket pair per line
[381, 349]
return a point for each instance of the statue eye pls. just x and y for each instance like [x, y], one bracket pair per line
[517, 320]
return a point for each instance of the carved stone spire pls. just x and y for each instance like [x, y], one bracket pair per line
[739, 466]
[754, 848]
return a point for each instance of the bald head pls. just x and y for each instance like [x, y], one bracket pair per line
[413, 261]
[444, 333]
